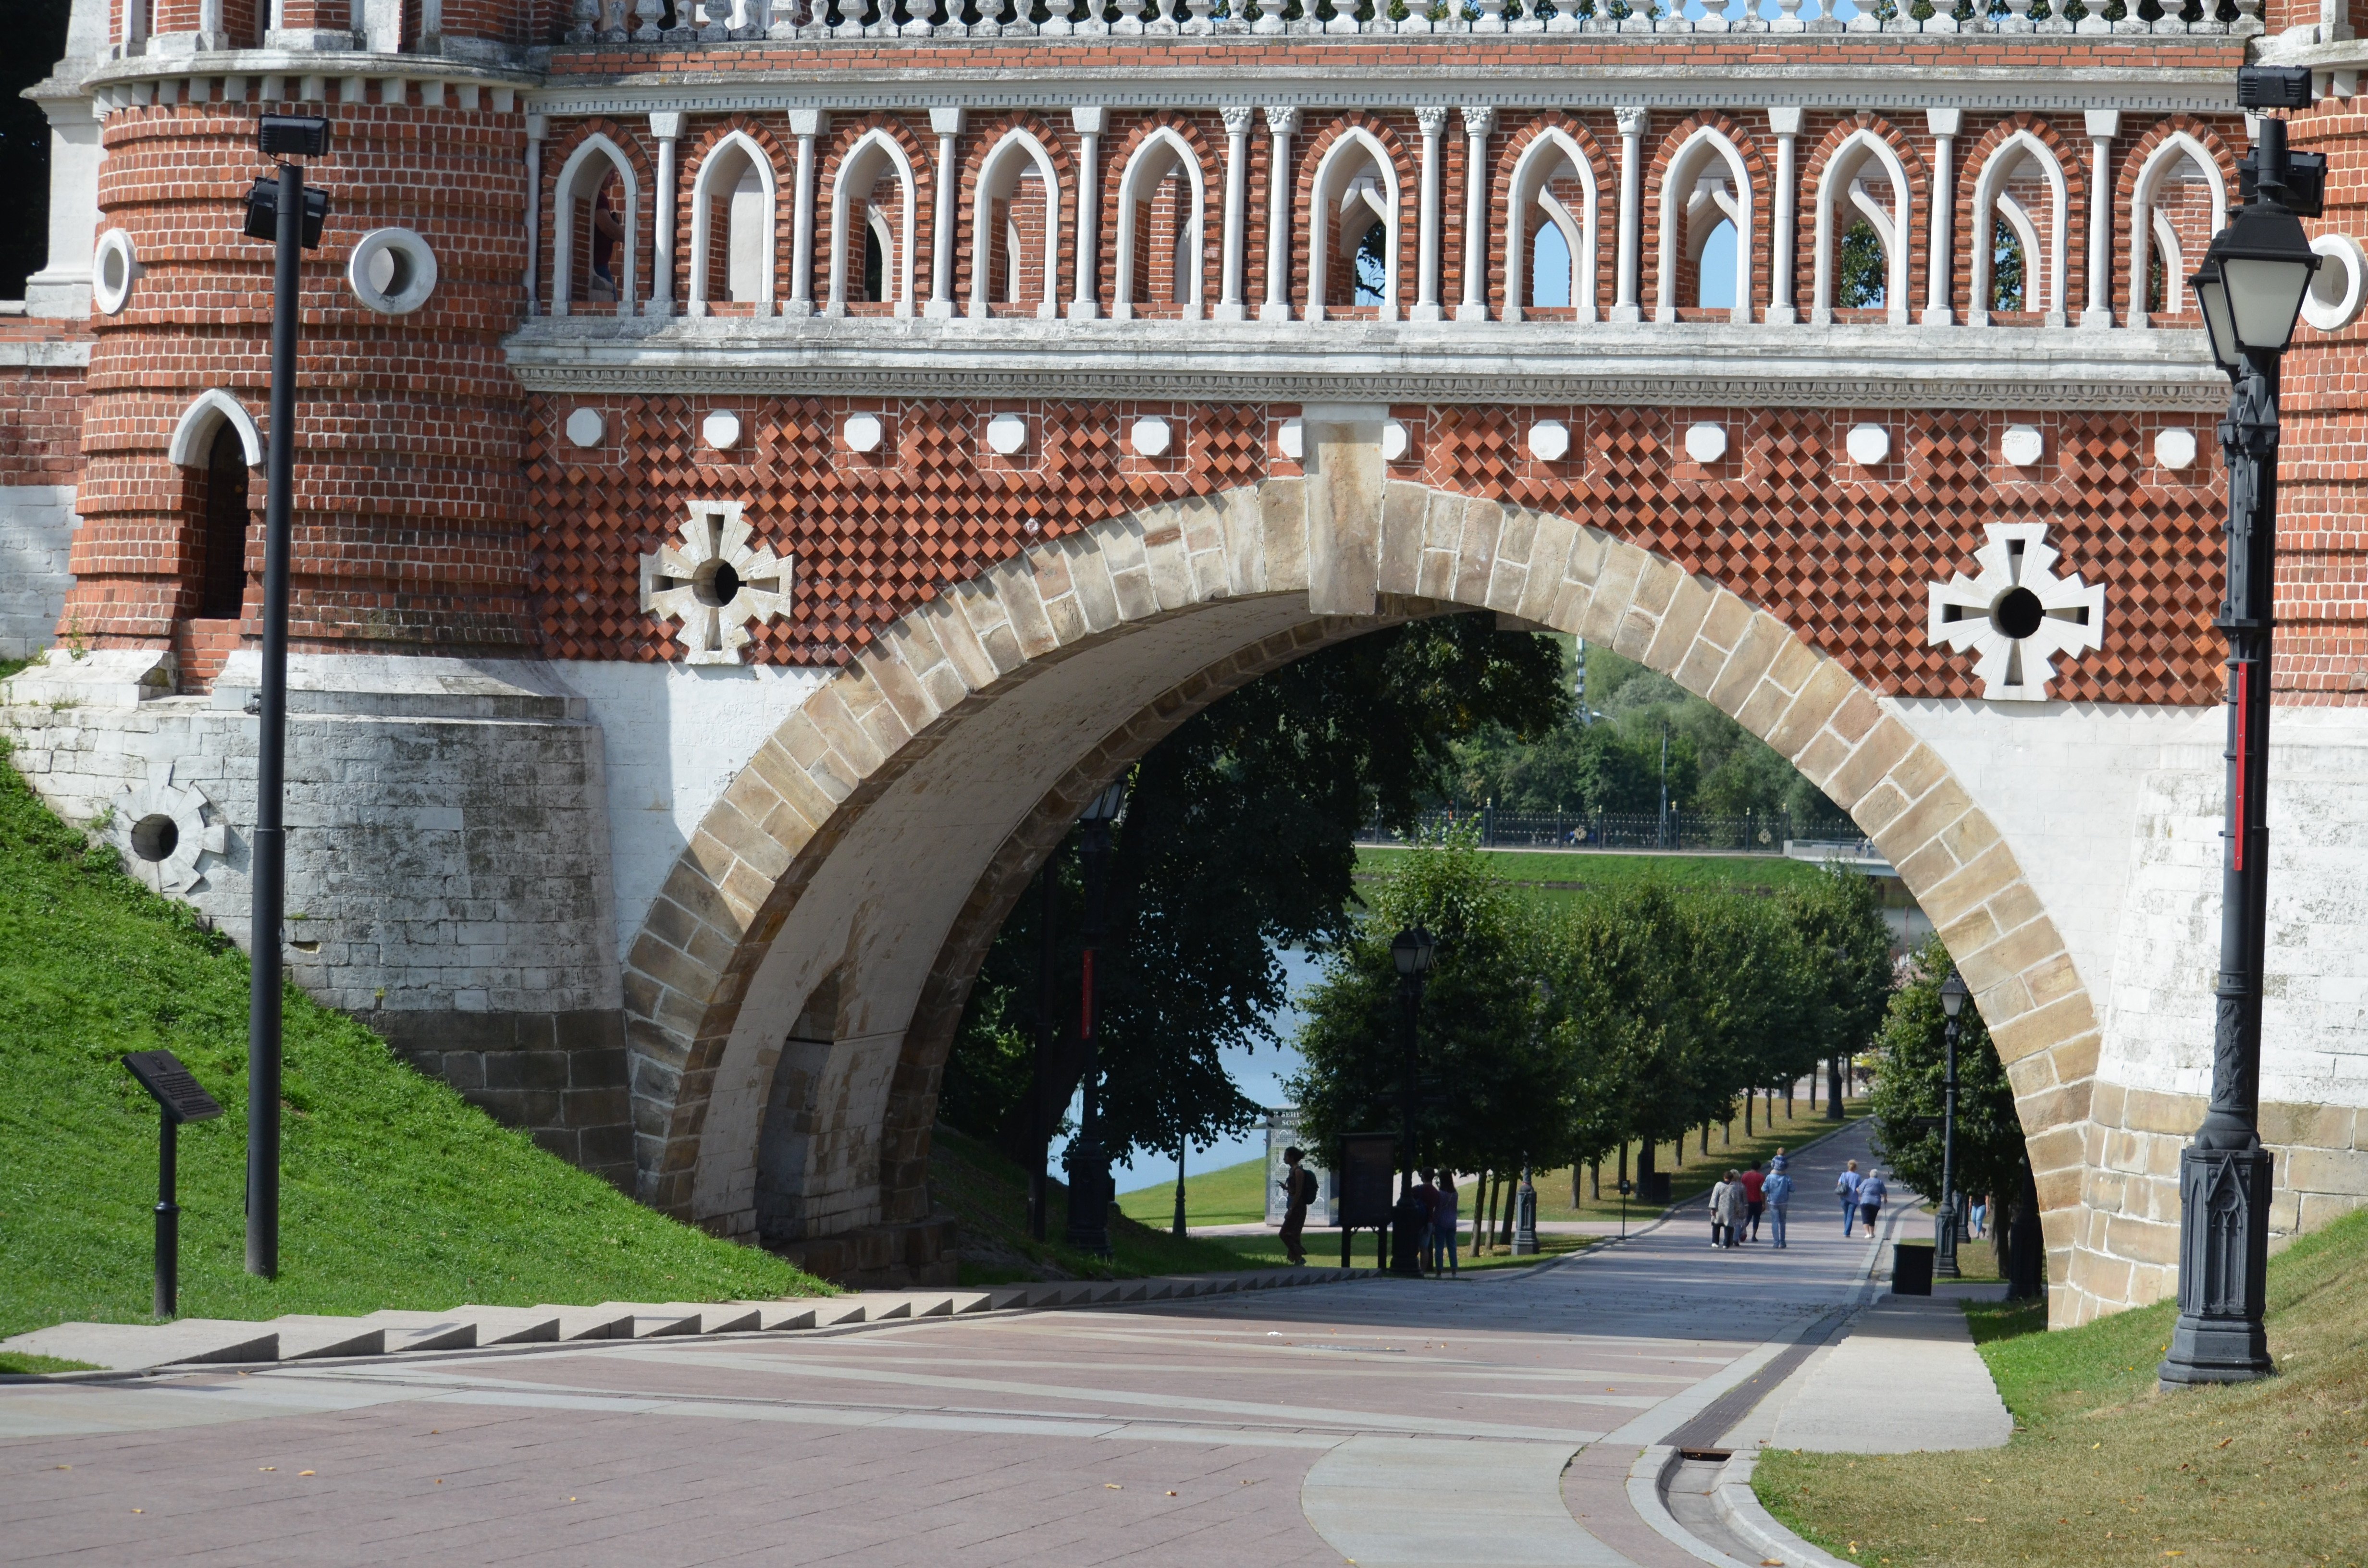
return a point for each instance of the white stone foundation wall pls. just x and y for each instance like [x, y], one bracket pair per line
[37, 529]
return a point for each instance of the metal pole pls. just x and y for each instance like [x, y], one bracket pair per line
[1179, 1187]
[2224, 1175]
[1047, 957]
[1089, 1163]
[168, 1215]
[1944, 1238]
[268, 852]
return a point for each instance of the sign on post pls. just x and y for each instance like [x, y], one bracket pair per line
[180, 1097]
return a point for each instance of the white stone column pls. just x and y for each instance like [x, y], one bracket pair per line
[1785, 122]
[1479, 120]
[666, 125]
[1090, 123]
[1237, 184]
[948, 124]
[1625, 306]
[1941, 236]
[2104, 124]
[806, 124]
[1281, 122]
[1426, 281]
[537, 131]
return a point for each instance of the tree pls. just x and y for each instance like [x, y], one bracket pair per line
[1911, 1065]
[1495, 1084]
[1842, 927]
[1238, 840]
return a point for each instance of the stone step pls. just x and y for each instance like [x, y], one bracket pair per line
[305, 1336]
[127, 1347]
[610, 1320]
[515, 1325]
[409, 1331]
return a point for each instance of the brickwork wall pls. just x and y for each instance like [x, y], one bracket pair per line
[408, 524]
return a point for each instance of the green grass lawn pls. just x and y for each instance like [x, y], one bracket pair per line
[1230, 1195]
[396, 1193]
[2105, 1470]
[1600, 869]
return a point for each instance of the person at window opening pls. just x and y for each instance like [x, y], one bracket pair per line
[1870, 1194]
[1428, 1190]
[606, 233]
[1778, 1195]
[1298, 1186]
[1846, 1189]
[1754, 1201]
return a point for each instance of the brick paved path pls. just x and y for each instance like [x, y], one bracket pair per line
[1384, 1421]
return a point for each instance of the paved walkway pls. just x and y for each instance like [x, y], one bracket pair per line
[1386, 1422]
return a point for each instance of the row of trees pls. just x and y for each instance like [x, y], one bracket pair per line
[1613, 756]
[1557, 1033]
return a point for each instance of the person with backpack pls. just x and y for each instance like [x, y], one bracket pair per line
[1870, 1194]
[1444, 1224]
[1298, 1186]
[1777, 1192]
[1754, 1201]
[1846, 1189]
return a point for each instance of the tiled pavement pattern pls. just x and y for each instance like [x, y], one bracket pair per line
[1045, 1439]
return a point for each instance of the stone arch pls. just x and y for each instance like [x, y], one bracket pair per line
[597, 143]
[963, 741]
[1001, 166]
[1330, 173]
[193, 434]
[872, 149]
[1158, 149]
[733, 151]
[2047, 257]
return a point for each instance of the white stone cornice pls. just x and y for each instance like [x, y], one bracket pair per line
[1681, 364]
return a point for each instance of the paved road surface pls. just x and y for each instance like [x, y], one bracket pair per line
[1386, 1422]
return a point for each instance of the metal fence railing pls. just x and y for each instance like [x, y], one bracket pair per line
[1752, 834]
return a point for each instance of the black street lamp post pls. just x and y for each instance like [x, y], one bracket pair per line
[1945, 1235]
[1090, 1177]
[285, 213]
[1412, 951]
[2250, 289]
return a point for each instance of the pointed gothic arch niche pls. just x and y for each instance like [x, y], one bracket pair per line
[1551, 193]
[1706, 182]
[1864, 181]
[1162, 200]
[1015, 225]
[1352, 232]
[215, 444]
[2177, 202]
[2021, 184]
[855, 204]
[732, 204]
[589, 261]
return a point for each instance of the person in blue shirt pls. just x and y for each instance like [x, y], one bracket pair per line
[1846, 1189]
[1776, 1193]
[1870, 1194]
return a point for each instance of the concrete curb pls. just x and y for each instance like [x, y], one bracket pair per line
[318, 1340]
[1647, 1478]
[1740, 1510]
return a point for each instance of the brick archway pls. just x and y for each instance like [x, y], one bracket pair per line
[796, 985]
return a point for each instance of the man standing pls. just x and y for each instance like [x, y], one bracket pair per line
[1445, 1223]
[1428, 1190]
[1718, 1210]
[1846, 1189]
[1298, 1192]
[1754, 1198]
[1777, 1193]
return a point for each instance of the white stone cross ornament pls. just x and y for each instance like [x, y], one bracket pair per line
[2018, 615]
[714, 583]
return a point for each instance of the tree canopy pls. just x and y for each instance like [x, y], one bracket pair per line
[1911, 1065]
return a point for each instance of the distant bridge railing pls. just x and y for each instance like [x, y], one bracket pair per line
[1751, 834]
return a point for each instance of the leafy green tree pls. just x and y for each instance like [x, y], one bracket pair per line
[1494, 1085]
[1843, 932]
[1911, 1065]
[1238, 840]
[1863, 273]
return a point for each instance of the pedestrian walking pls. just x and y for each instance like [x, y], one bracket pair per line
[1718, 1213]
[1731, 1207]
[1979, 1215]
[1445, 1225]
[1846, 1189]
[1870, 1194]
[1777, 1193]
[1426, 1189]
[1754, 1201]
[1298, 1186]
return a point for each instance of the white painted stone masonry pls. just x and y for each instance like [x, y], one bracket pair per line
[37, 529]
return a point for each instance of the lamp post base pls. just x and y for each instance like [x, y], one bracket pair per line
[1089, 1199]
[2224, 1249]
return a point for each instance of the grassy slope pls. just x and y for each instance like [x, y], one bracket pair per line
[396, 1193]
[2103, 1470]
[1235, 1195]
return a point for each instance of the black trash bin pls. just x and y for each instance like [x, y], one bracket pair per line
[1652, 1186]
[1911, 1270]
